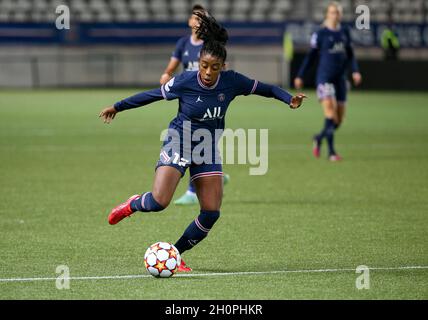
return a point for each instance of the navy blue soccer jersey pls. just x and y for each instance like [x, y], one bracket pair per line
[200, 107]
[334, 49]
[206, 106]
[187, 52]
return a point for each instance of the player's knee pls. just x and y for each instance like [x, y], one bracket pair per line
[212, 202]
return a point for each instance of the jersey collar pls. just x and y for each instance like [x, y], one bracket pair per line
[206, 87]
[196, 43]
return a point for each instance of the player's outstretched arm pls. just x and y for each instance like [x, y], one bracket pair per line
[271, 91]
[135, 101]
[245, 86]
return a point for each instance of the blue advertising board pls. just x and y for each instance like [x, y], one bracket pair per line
[241, 33]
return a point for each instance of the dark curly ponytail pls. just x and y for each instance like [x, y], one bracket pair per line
[214, 36]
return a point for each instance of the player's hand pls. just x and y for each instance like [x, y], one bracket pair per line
[108, 114]
[297, 100]
[357, 78]
[298, 83]
[165, 78]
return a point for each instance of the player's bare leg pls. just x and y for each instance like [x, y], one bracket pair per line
[340, 113]
[210, 192]
[329, 106]
[164, 185]
[338, 119]
[330, 109]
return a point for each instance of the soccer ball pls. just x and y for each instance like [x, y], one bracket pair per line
[162, 259]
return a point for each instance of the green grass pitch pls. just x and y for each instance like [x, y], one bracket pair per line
[62, 170]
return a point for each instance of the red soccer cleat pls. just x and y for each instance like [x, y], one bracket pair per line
[121, 211]
[335, 158]
[316, 150]
[183, 267]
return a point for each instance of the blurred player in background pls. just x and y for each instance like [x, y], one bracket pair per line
[187, 48]
[332, 45]
[187, 53]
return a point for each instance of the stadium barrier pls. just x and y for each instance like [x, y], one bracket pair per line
[38, 55]
[138, 68]
[411, 35]
[114, 67]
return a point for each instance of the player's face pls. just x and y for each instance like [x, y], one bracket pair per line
[193, 21]
[210, 68]
[333, 14]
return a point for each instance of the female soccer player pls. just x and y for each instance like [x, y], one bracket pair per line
[187, 52]
[332, 44]
[204, 97]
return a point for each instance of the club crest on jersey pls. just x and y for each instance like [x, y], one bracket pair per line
[221, 97]
[215, 114]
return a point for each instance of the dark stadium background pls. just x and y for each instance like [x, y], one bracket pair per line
[108, 38]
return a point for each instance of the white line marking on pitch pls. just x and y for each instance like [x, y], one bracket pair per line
[216, 274]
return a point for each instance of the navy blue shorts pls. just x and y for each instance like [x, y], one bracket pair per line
[197, 170]
[335, 89]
